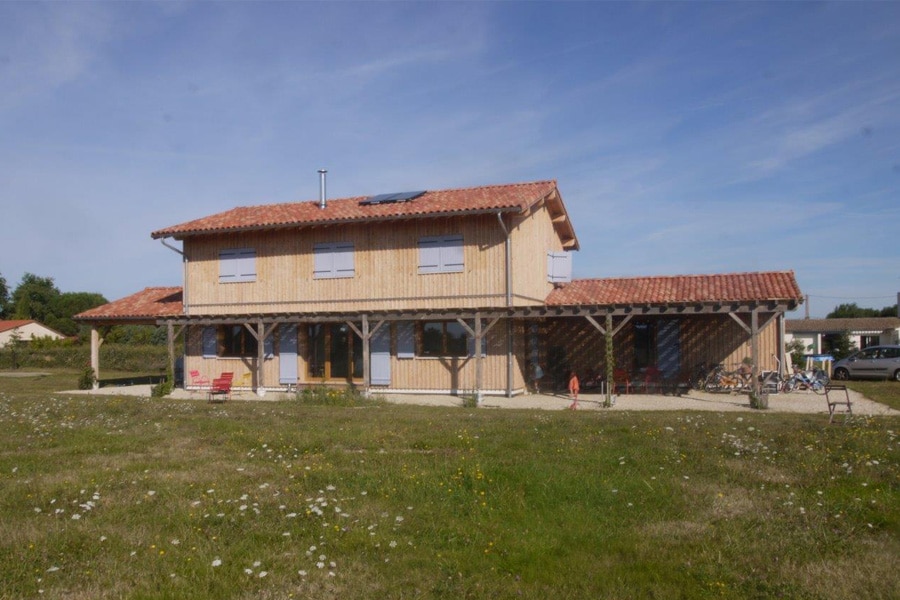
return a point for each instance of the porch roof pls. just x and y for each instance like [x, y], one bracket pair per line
[582, 296]
[755, 287]
[146, 306]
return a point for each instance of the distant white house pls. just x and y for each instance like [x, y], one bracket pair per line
[864, 332]
[27, 331]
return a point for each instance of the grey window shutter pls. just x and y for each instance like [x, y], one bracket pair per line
[237, 264]
[343, 260]
[406, 339]
[381, 357]
[452, 255]
[559, 267]
[209, 342]
[323, 261]
[429, 255]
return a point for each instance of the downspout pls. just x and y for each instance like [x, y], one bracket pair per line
[509, 324]
[184, 260]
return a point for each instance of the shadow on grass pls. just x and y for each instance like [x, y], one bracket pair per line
[136, 380]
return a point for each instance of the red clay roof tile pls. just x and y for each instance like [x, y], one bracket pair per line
[731, 287]
[149, 304]
[512, 197]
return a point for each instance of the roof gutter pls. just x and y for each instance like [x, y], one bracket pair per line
[184, 267]
[509, 327]
[180, 235]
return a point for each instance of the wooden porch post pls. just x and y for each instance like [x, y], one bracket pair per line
[610, 362]
[96, 342]
[479, 361]
[261, 357]
[171, 334]
[367, 356]
[754, 351]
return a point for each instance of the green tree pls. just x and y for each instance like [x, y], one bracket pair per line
[851, 311]
[889, 311]
[4, 298]
[840, 345]
[33, 298]
[68, 304]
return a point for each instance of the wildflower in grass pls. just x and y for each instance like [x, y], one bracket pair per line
[263, 574]
[217, 562]
[53, 569]
[301, 573]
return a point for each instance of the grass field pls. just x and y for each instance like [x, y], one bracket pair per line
[108, 497]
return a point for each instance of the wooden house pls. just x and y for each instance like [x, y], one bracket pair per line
[449, 291]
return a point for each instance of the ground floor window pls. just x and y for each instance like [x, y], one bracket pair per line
[335, 352]
[643, 345]
[869, 340]
[236, 341]
[443, 338]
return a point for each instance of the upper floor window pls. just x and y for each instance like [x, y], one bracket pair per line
[441, 254]
[333, 260]
[237, 264]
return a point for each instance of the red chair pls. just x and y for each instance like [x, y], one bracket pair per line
[622, 380]
[198, 379]
[221, 386]
[652, 379]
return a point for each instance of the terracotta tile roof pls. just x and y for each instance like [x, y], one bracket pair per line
[147, 305]
[860, 325]
[10, 325]
[673, 289]
[508, 198]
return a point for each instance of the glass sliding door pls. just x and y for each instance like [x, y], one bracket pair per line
[335, 352]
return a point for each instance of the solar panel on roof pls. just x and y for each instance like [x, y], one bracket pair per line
[395, 197]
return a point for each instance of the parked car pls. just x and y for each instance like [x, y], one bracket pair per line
[874, 362]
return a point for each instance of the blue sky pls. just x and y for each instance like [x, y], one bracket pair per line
[686, 138]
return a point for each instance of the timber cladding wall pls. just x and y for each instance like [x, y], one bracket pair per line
[386, 268]
[449, 374]
[532, 236]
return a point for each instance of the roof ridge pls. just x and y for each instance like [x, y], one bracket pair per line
[682, 276]
[427, 191]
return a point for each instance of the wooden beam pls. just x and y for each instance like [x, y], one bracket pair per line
[596, 325]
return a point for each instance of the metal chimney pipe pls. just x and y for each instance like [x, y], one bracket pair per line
[322, 188]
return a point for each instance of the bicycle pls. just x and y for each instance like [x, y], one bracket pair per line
[721, 379]
[816, 380]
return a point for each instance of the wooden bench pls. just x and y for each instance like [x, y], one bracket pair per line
[837, 395]
[220, 388]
